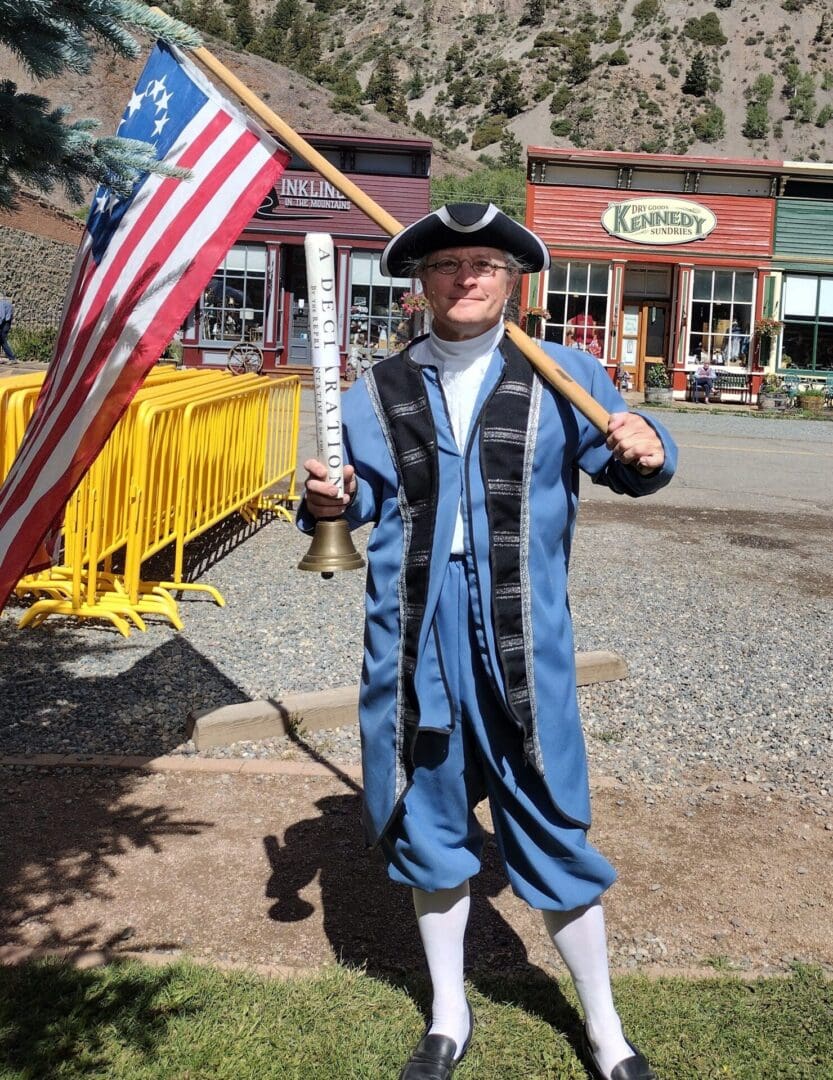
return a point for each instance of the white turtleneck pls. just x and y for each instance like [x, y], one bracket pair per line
[461, 366]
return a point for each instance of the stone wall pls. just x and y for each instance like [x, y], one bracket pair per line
[34, 272]
[38, 242]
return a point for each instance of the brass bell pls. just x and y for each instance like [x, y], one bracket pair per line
[331, 548]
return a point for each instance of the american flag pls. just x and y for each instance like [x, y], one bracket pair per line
[142, 263]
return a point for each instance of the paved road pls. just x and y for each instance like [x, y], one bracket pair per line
[743, 462]
[734, 460]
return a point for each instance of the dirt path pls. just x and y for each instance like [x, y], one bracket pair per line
[271, 870]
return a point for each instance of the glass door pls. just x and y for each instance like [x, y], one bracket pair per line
[297, 302]
[643, 336]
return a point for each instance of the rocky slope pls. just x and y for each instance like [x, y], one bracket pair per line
[495, 76]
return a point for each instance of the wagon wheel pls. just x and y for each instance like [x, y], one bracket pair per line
[245, 357]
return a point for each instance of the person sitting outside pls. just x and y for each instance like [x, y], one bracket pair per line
[704, 379]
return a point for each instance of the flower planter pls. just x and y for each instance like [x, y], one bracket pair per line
[658, 395]
[810, 402]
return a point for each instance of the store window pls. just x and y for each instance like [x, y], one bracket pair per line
[720, 324]
[377, 320]
[577, 302]
[807, 308]
[234, 300]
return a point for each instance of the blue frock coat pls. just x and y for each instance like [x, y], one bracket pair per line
[560, 441]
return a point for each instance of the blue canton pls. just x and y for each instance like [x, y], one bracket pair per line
[163, 103]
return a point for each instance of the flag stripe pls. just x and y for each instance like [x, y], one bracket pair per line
[69, 418]
[102, 329]
[141, 266]
[89, 310]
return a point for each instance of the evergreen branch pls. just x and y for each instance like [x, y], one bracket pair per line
[39, 149]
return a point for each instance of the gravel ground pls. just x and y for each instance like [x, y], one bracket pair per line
[729, 671]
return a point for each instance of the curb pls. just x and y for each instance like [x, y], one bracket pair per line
[85, 959]
[251, 721]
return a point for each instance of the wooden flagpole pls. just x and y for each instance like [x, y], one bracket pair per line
[554, 374]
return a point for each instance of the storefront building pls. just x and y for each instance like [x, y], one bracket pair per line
[667, 259]
[259, 292]
[802, 279]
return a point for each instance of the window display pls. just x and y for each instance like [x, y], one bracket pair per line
[577, 302]
[377, 319]
[808, 322]
[234, 300]
[721, 317]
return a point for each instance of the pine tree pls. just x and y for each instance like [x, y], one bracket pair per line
[511, 151]
[212, 20]
[244, 23]
[756, 124]
[581, 64]
[507, 97]
[385, 90]
[415, 87]
[39, 148]
[534, 13]
[697, 78]
[286, 14]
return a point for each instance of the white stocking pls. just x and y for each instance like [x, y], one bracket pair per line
[579, 936]
[442, 918]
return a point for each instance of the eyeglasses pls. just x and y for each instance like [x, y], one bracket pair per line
[479, 267]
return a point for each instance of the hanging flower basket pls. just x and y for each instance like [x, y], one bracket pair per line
[532, 319]
[413, 302]
[768, 328]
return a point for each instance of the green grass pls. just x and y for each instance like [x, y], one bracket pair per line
[192, 1023]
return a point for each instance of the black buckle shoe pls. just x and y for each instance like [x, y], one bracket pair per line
[433, 1056]
[635, 1067]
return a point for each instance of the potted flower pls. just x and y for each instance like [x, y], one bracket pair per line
[811, 398]
[767, 330]
[771, 392]
[533, 319]
[658, 384]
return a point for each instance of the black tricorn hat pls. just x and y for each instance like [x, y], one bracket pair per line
[463, 225]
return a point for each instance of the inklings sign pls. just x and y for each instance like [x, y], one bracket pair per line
[301, 193]
[658, 221]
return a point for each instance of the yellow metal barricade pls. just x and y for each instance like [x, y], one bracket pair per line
[192, 448]
[95, 529]
[11, 389]
[257, 460]
[207, 462]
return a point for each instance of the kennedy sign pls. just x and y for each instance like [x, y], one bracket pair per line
[658, 221]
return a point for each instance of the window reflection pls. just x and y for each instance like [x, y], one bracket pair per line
[234, 301]
[577, 303]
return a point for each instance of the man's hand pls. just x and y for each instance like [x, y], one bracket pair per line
[322, 496]
[634, 442]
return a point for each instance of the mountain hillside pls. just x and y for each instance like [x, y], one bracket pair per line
[730, 78]
[298, 100]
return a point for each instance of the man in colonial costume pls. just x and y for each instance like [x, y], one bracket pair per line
[467, 465]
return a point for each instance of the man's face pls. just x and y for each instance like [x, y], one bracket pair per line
[463, 304]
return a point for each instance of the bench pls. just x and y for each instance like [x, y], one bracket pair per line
[728, 384]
